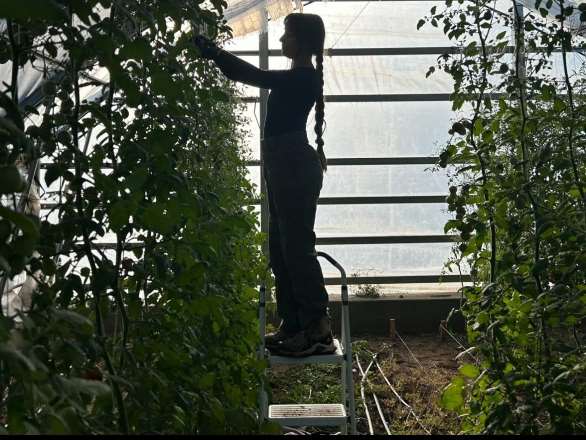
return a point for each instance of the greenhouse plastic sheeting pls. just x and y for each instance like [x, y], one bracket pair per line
[246, 16]
[375, 129]
[357, 129]
[32, 75]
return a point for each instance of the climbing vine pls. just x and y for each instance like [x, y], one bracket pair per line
[516, 157]
[143, 317]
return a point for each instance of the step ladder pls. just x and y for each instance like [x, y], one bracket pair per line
[343, 414]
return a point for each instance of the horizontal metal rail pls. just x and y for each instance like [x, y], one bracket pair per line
[391, 51]
[377, 200]
[394, 97]
[357, 200]
[346, 240]
[111, 246]
[400, 279]
[422, 160]
[414, 160]
[389, 97]
[387, 239]
[366, 51]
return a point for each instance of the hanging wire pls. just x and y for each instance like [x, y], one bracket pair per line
[348, 27]
[462, 346]
[255, 117]
[408, 349]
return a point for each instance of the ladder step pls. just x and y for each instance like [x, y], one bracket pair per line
[334, 358]
[308, 415]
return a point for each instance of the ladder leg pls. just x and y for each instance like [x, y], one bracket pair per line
[262, 397]
[344, 427]
[348, 379]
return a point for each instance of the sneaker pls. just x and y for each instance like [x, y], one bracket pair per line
[314, 340]
[274, 338]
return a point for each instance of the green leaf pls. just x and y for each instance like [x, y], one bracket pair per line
[163, 84]
[119, 214]
[459, 128]
[78, 321]
[22, 221]
[53, 172]
[469, 370]
[137, 178]
[131, 89]
[12, 111]
[452, 224]
[154, 218]
[452, 398]
[36, 9]
[83, 9]
[558, 105]
[271, 428]
[24, 245]
[11, 181]
[9, 352]
[575, 192]
[478, 127]
[139, 49]
[84, 386]
[207, 381]
[16, 412]
[57, 424]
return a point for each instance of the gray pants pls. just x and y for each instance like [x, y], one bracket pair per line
[294, 180]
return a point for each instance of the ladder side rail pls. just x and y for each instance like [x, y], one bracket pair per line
[262, 395]
[263, 399]
[262, 319]
[350, 404]
[348, 379]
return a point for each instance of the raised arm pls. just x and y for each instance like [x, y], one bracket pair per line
[239, 70]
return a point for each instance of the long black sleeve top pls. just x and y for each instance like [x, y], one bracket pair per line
[292, 93]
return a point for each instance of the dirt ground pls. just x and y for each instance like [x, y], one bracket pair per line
[418, 377]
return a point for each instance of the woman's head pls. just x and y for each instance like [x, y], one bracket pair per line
[305, 35]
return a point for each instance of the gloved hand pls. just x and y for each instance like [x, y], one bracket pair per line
[207, 47]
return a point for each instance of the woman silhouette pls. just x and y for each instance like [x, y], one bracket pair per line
[294, 175]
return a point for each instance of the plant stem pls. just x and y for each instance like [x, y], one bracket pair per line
[483, 86]
[572, 108]
[123, 421]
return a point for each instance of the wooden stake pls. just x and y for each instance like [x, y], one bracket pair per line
[392, 329]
